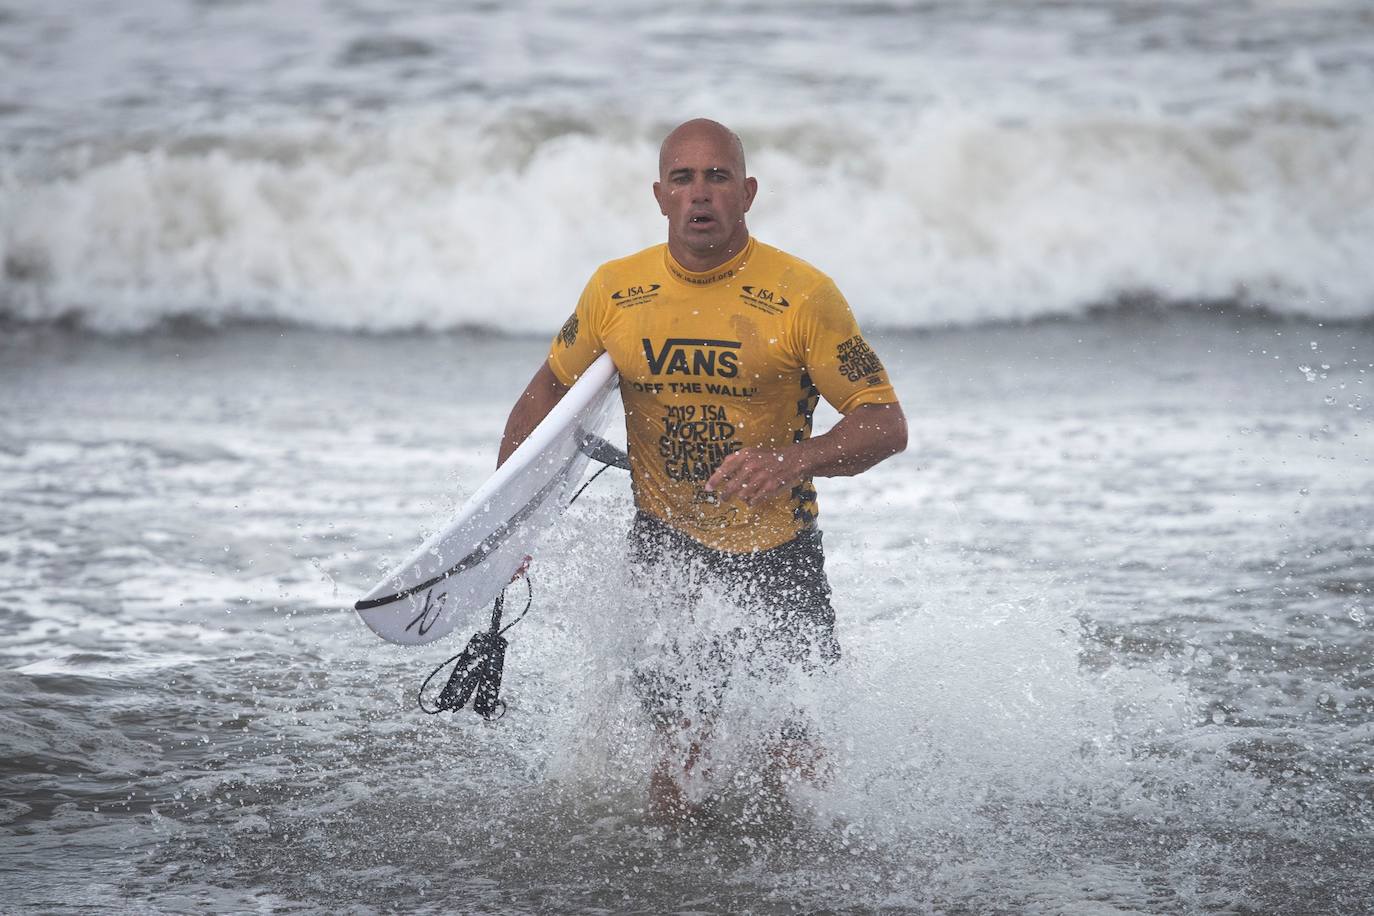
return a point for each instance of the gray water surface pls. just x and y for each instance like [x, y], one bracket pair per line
[1106, 633]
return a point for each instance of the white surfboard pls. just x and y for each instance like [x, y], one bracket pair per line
[465, 565]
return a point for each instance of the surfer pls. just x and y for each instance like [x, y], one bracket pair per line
[724, 345]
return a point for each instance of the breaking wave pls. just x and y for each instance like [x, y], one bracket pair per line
[423, 220]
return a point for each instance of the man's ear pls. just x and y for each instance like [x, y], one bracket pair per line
[751, 190]
[658, 196]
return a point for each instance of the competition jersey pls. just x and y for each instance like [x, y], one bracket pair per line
[712, 363]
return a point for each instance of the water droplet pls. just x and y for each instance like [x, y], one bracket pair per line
[1329, 399]
[1308, 373]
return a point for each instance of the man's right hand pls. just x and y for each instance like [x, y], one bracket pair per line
[755, 474]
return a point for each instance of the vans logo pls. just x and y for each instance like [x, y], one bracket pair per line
[690, 356]
[635, 295]
[764, 300]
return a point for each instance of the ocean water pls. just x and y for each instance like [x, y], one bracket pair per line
[1106, 633]
[272, 275]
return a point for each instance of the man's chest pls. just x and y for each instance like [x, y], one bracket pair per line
[730, 342]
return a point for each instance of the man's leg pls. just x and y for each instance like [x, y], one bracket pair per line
[672, 563]
[791, 594]
[668, 800]
[786, 592]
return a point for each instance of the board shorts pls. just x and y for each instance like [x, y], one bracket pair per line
[786, 621]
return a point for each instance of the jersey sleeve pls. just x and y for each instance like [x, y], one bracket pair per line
[830, 346]
[579, 342]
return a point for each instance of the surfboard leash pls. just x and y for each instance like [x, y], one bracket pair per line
[477, 674]
[604, 469]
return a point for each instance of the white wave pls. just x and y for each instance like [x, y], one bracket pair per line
[422, 221]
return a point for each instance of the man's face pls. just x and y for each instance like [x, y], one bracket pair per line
[704, 193]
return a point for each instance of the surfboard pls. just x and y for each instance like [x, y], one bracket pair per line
[466, 564]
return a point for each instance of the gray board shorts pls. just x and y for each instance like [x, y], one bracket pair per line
[785, 599]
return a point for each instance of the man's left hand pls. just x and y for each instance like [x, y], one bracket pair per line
[754, 474]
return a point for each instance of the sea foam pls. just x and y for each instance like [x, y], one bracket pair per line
[420, 220]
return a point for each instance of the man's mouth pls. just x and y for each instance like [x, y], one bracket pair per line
[701, 219]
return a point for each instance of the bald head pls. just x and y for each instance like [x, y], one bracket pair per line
[703, 191]
[701, 129]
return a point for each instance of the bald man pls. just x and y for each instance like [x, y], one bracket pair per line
[724, 345]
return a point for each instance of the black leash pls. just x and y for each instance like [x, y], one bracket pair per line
[477, 674]
[604, 469]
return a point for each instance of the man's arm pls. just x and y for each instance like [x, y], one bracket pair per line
[863, 437]
[533, 405]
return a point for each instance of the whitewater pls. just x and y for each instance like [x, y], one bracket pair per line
[381, 169]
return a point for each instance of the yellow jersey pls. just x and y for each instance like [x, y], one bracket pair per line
[712, 363]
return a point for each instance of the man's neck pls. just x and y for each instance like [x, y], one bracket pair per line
[701, 263]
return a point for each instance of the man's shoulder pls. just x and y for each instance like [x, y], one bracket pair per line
[646, 259]
[798, 274]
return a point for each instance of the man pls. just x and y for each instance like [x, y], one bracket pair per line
[723, 345]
